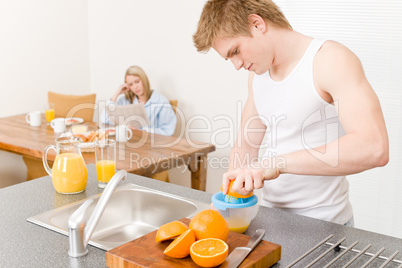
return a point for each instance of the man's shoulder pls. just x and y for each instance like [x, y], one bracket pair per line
[333, 63]
[332, 50]
[334, 57]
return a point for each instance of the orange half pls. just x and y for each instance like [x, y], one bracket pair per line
[236, 194]
[180, 247]
[209, 252]
[170, 230]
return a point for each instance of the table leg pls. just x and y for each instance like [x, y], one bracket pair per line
[35, 168]
[161, 176]
[198, 168]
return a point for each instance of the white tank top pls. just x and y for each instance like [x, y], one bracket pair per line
[297, 118]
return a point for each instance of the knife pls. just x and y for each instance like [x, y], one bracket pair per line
[240, 253]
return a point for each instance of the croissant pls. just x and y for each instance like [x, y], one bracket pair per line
[82, 137]
[94, 136]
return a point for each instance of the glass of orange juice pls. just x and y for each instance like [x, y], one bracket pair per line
[49, 112]
[105, 157]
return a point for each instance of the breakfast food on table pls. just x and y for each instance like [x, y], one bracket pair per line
[92, 136]
[82, 137]
[79, 128]
[110, 131]
[71, 121]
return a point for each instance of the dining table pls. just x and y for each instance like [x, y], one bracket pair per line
[143, 154]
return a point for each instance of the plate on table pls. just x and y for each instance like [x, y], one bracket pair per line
[73, 120]
[110, 131]
[89, 139]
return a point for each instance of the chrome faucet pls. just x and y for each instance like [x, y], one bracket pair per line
[79, 232]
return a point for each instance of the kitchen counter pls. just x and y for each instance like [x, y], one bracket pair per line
[24, 244]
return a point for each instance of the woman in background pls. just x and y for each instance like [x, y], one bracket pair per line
[136, 89]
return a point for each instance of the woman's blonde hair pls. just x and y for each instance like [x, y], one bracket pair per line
[230, 18]
[138, 71]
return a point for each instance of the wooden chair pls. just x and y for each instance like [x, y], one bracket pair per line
[174, 105]
[164, 175]
[64, 106]
[82, 106]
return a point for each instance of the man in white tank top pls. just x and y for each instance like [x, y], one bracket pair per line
[323, 119]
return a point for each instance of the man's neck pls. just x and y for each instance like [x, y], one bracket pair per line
[289, 48]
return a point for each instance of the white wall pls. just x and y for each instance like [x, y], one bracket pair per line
[44, 46]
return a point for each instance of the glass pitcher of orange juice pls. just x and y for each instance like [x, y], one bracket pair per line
[69, 173]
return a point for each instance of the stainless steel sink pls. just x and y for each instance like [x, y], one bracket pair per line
[132, 211]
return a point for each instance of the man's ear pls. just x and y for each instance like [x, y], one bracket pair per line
[257, 23]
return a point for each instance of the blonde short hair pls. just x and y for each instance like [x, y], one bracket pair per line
[229, 18]
[138, 71]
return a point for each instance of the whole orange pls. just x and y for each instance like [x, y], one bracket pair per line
[209, 224]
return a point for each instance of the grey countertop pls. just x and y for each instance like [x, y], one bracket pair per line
[24, 244]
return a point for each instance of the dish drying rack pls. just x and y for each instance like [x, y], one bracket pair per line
[342, 251]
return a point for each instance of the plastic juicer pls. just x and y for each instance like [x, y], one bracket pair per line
[238, 212]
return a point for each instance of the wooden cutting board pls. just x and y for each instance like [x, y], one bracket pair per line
[145, 252]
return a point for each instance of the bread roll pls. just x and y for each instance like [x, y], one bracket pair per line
[97, 136]
[82, 137]
[91, 136]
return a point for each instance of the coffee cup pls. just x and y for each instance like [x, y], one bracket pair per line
[34, 118]
[58, 125]
[123, 133]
